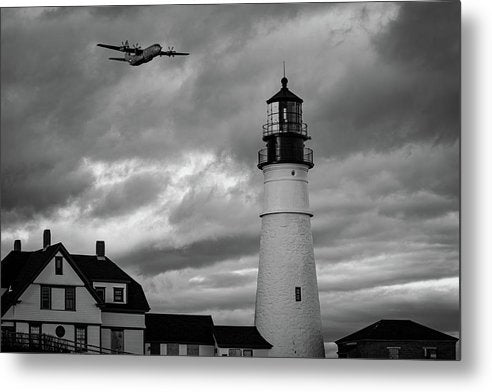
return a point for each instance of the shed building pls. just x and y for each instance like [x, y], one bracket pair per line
[397, 339]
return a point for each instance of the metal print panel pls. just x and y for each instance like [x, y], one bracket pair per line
[247, 180]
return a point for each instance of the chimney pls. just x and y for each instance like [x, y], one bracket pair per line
[100, 250]
[17, 245]
[46, 238]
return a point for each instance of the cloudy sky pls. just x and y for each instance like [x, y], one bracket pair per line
[160, 160]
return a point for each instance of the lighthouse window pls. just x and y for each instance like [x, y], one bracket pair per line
[298, 294]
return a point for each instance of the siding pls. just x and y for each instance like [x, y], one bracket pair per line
[134, 340]
[22, 327]
[408, 349]
[30, 308]
[122, 320]
[106, 338]
[93, 336]
[48, 276]
[49, 329]
[206, 351]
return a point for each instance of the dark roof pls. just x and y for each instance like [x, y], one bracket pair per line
[228, 336]
[19, 269]
[396, 330]
[179, 328]
[284, 94]
[106, 270]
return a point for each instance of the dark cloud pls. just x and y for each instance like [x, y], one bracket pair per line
[152, 260]
[225, 280]
[354, 311]
[409, 93]
[127, 197]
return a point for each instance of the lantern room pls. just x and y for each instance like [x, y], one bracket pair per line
[284, 132]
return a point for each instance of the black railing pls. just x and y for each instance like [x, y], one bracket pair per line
[273, 128]
[28, 342]
[268, 156]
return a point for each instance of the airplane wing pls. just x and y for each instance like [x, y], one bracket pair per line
[117, 59]
[125, 49]
[172, 53]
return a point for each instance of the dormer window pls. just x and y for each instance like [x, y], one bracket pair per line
[101, 293]
[58, 265]
[118, 294]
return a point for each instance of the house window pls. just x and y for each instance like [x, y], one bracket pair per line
[298, 294]
[393, 352]
[234, 352]
[192, 350]
[430, 352]
[70, 298]
[247, 353]
[81, 338]
[155, 349]
[34, 336]
[101, 293]
[118, 294]
[59, 265]
[172, 349]
[45, 297]
[60, 331]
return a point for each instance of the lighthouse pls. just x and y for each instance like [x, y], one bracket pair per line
[287, 312]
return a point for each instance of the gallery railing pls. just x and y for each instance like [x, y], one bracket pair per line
[267, 156]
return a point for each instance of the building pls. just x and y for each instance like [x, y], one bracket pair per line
[179, 334]
[397, 339]
[287, 312]
[196, 335]
[240, 341]
[56, 301]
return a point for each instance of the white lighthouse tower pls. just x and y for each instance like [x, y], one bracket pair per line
[287, 310]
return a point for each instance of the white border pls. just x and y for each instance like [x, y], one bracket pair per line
[83, 373]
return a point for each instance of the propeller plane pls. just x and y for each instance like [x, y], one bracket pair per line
[136, 55]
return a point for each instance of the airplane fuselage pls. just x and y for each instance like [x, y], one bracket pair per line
[137, 56]
[147, 55]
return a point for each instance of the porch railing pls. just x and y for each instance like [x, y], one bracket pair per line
[28, 342]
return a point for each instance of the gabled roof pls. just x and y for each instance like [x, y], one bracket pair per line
[396, 330]
[20, 269]
[228, 336]
[106, 270]
[179, 328]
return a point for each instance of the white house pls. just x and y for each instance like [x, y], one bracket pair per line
[74, 303]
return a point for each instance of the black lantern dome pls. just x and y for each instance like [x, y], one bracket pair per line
[284, 132]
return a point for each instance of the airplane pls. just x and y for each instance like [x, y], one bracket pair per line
[137, 56]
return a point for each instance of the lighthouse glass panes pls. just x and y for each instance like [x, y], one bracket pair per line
[284, 117]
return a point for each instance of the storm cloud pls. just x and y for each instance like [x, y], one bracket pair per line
[160, 160]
